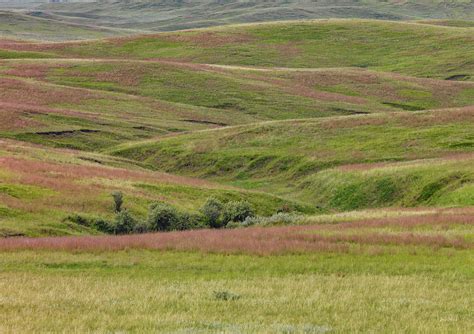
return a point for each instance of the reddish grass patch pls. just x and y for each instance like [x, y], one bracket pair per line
[20, 91]
[261, 241]
[439, 116]
[62, 176]
[37, 71]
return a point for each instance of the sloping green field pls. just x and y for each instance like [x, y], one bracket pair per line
[345, 162]
[336, 115]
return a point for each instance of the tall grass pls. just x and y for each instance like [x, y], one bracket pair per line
[275, 240]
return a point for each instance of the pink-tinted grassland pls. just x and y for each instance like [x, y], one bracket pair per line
[271, 240]
[71, 183]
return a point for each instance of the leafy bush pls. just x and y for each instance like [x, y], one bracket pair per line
[141, 227]
[237, 212]
[118, 201]
[212, 211]
[188, 221]
[163, 217]
[124, 223]
[103, 226]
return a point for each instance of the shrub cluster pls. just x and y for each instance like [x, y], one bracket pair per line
[164, 217]
[218, 214]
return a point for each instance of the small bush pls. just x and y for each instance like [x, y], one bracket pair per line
[124, 223]
[237, 212]
[163, 217]
[141, 227]
[103, 226]
[212, 211]
[118, 201]
[187, 221]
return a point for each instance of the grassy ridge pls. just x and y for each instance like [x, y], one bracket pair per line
[409, 48]
[265, 94]
[33, 110]
[294, 115]
[93, 105]
[175, 15]
[276, 156]
[20, 26]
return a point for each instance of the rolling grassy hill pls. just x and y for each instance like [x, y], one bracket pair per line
[408, 48]
[174, 15]
[338, 115]
[21, 26]
[320, 160]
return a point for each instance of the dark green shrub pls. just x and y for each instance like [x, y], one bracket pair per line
[124, 223]
[212, 211]
[103, 226]
[162, 217]
[141, 227]
[118, 201]
[188, 221]
[237, 211]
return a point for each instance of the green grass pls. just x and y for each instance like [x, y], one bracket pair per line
[278, 94]
[351, 123]
[40, 188]
[10, 54]
[146, 291]
[291, 157]
[85, 119]
[409, 48]
[431, 183]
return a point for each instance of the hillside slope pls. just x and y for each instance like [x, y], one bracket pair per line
[321, 116]
[174, 15]
[40, 188]
[408, 48]
[21, 26]
[339, 163]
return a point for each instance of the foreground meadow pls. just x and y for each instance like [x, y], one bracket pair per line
[398, 272]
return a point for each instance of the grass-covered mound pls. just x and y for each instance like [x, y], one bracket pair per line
[409, 48]
[289, 157]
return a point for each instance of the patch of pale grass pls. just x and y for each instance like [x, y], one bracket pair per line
[368, 214]
[75, 300]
